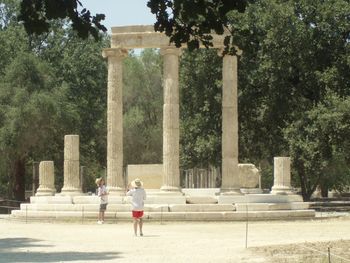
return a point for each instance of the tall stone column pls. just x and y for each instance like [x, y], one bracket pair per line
[46, 179]
[171, 134]
[115, 180]
[230, 172]
[281, 173]
[71, 184]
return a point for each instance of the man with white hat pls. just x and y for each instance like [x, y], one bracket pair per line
[138, 195]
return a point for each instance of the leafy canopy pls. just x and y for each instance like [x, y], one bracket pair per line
[37, 14]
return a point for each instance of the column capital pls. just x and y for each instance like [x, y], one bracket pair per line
[170, 51]
[115, 52]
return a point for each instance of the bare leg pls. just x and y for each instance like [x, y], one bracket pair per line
[140, 225]
[103, 216]
[135, 226]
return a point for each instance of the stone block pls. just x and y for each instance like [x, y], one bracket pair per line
[51, 199]
[164, 199]
[150, 174]
[201, 208]
[249, 175]
[231, 199]
[86, 199]
[201, 191]
[201, 200]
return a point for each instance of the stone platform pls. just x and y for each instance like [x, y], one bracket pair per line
[191, 205]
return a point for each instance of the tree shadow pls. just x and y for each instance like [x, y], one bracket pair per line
[19, 242]
[8, 244]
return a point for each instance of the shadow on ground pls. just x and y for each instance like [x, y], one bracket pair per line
[18, 250]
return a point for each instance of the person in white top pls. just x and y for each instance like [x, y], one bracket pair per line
[103, 194]
[138, 195]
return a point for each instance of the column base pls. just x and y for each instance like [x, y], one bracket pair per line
[230, 191]
[281, 190]
[251, 191]
[45, 192]
[70, 191]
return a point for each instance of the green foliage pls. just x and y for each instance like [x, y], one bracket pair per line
[319, 145]
[143, 108]
[191, 22]
[293, 52]
[200, 109]
[37, 14]
[49, 89]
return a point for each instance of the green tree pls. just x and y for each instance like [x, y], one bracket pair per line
[200, 108]
[32, 114]
[143, 110]
[319, 145]
[73, 70]
[191, 22]
[37, 15]
[293, 51]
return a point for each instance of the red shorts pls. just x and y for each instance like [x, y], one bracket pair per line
[137, 214]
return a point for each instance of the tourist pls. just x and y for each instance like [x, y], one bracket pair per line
[103, 194]
[138, 195]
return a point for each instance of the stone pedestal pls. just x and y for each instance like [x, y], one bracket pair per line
[281, 176]
[171, 135]
[115, 180]
[71, 184]
[46, 179]
[230, 173]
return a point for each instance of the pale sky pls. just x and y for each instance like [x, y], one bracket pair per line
[121, 12]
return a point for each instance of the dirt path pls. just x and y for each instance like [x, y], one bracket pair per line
[169, 242]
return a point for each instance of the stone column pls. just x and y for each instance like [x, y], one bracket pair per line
[281, 173]
[115, 120]
[71, 184]
[171, 134]
[46, 179]
[230, 172]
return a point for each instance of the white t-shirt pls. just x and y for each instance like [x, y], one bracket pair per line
[102, 193]
[138, 197]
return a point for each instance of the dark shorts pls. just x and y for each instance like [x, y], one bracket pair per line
[103, 207]
[137, 214]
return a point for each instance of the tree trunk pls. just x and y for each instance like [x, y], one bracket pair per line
[324, 190]
[302, 184]
[19, 182]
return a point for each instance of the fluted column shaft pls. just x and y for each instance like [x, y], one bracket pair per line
[282, 176]
[230, 175]
[115, 120]
[171, 134]
[71, 184]
[46, 179]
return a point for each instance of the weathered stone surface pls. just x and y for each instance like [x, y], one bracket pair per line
[282, 176]
[201, 191]
[249, 175]
[230, 172]
[115, 180]
[71, 184]
[259, 198]
[201, 208]
[57, 199]
[201, 200]
[171, 133]
[150, 174]
[144, 36]
[46, 179]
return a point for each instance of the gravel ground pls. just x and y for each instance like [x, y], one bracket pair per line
[172, 242]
